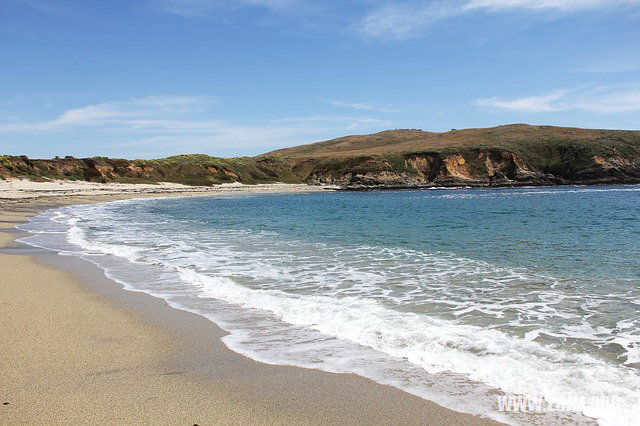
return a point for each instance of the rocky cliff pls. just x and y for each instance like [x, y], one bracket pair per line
[490, 167]
[185, 169]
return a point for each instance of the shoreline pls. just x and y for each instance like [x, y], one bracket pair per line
[175, 369]
[462, 185]
[22, 191]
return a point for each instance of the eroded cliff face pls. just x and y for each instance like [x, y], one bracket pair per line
[492, 167]
[190, 170]
[91, 169]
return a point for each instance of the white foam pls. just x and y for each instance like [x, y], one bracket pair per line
[511, 364]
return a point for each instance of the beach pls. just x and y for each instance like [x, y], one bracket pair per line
[78, 348]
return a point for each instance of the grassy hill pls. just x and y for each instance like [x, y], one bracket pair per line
[525, 140]
[196, 169]
[516, 154]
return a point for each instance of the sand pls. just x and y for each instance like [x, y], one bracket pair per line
[23, 190]
[77, 348]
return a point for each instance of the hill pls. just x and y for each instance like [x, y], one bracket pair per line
[196, 169]
[517, 154]
[501, 156]
[521, 137]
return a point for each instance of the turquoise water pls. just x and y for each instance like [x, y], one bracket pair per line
[524, 291]
[566, 232]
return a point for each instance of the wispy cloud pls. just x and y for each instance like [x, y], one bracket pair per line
[599, 99]
[377, 19]
[344, 122]
[116, 113]
[399, 21]
[404, 20]
[543, 103]
[174, 124]
[361, 105]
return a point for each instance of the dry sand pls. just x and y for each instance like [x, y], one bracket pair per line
[21, 190]
[77, 348]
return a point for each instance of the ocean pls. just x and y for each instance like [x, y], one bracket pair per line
[460, 296]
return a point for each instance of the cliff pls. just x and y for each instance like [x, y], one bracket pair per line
[501, 156]
[186, 169]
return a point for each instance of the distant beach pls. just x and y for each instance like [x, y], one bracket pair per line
[77, 348]
[18, 191]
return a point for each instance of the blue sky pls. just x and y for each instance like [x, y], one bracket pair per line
[151, 78]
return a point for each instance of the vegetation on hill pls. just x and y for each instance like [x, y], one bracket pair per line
[522, 139]
[186, 169]
[505, 155]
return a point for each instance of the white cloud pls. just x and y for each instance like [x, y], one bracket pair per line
[403, 20]
[361, 105]
[178, 124]
[599, 99]
[116, 113]
[339, 124]
[542, 103]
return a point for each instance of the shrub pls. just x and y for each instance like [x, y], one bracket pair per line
[6, 163]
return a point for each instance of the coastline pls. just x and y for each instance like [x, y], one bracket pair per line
[83, 349]
[22, 191]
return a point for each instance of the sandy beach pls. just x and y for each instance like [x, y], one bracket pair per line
[17, 191]
[77, 348]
